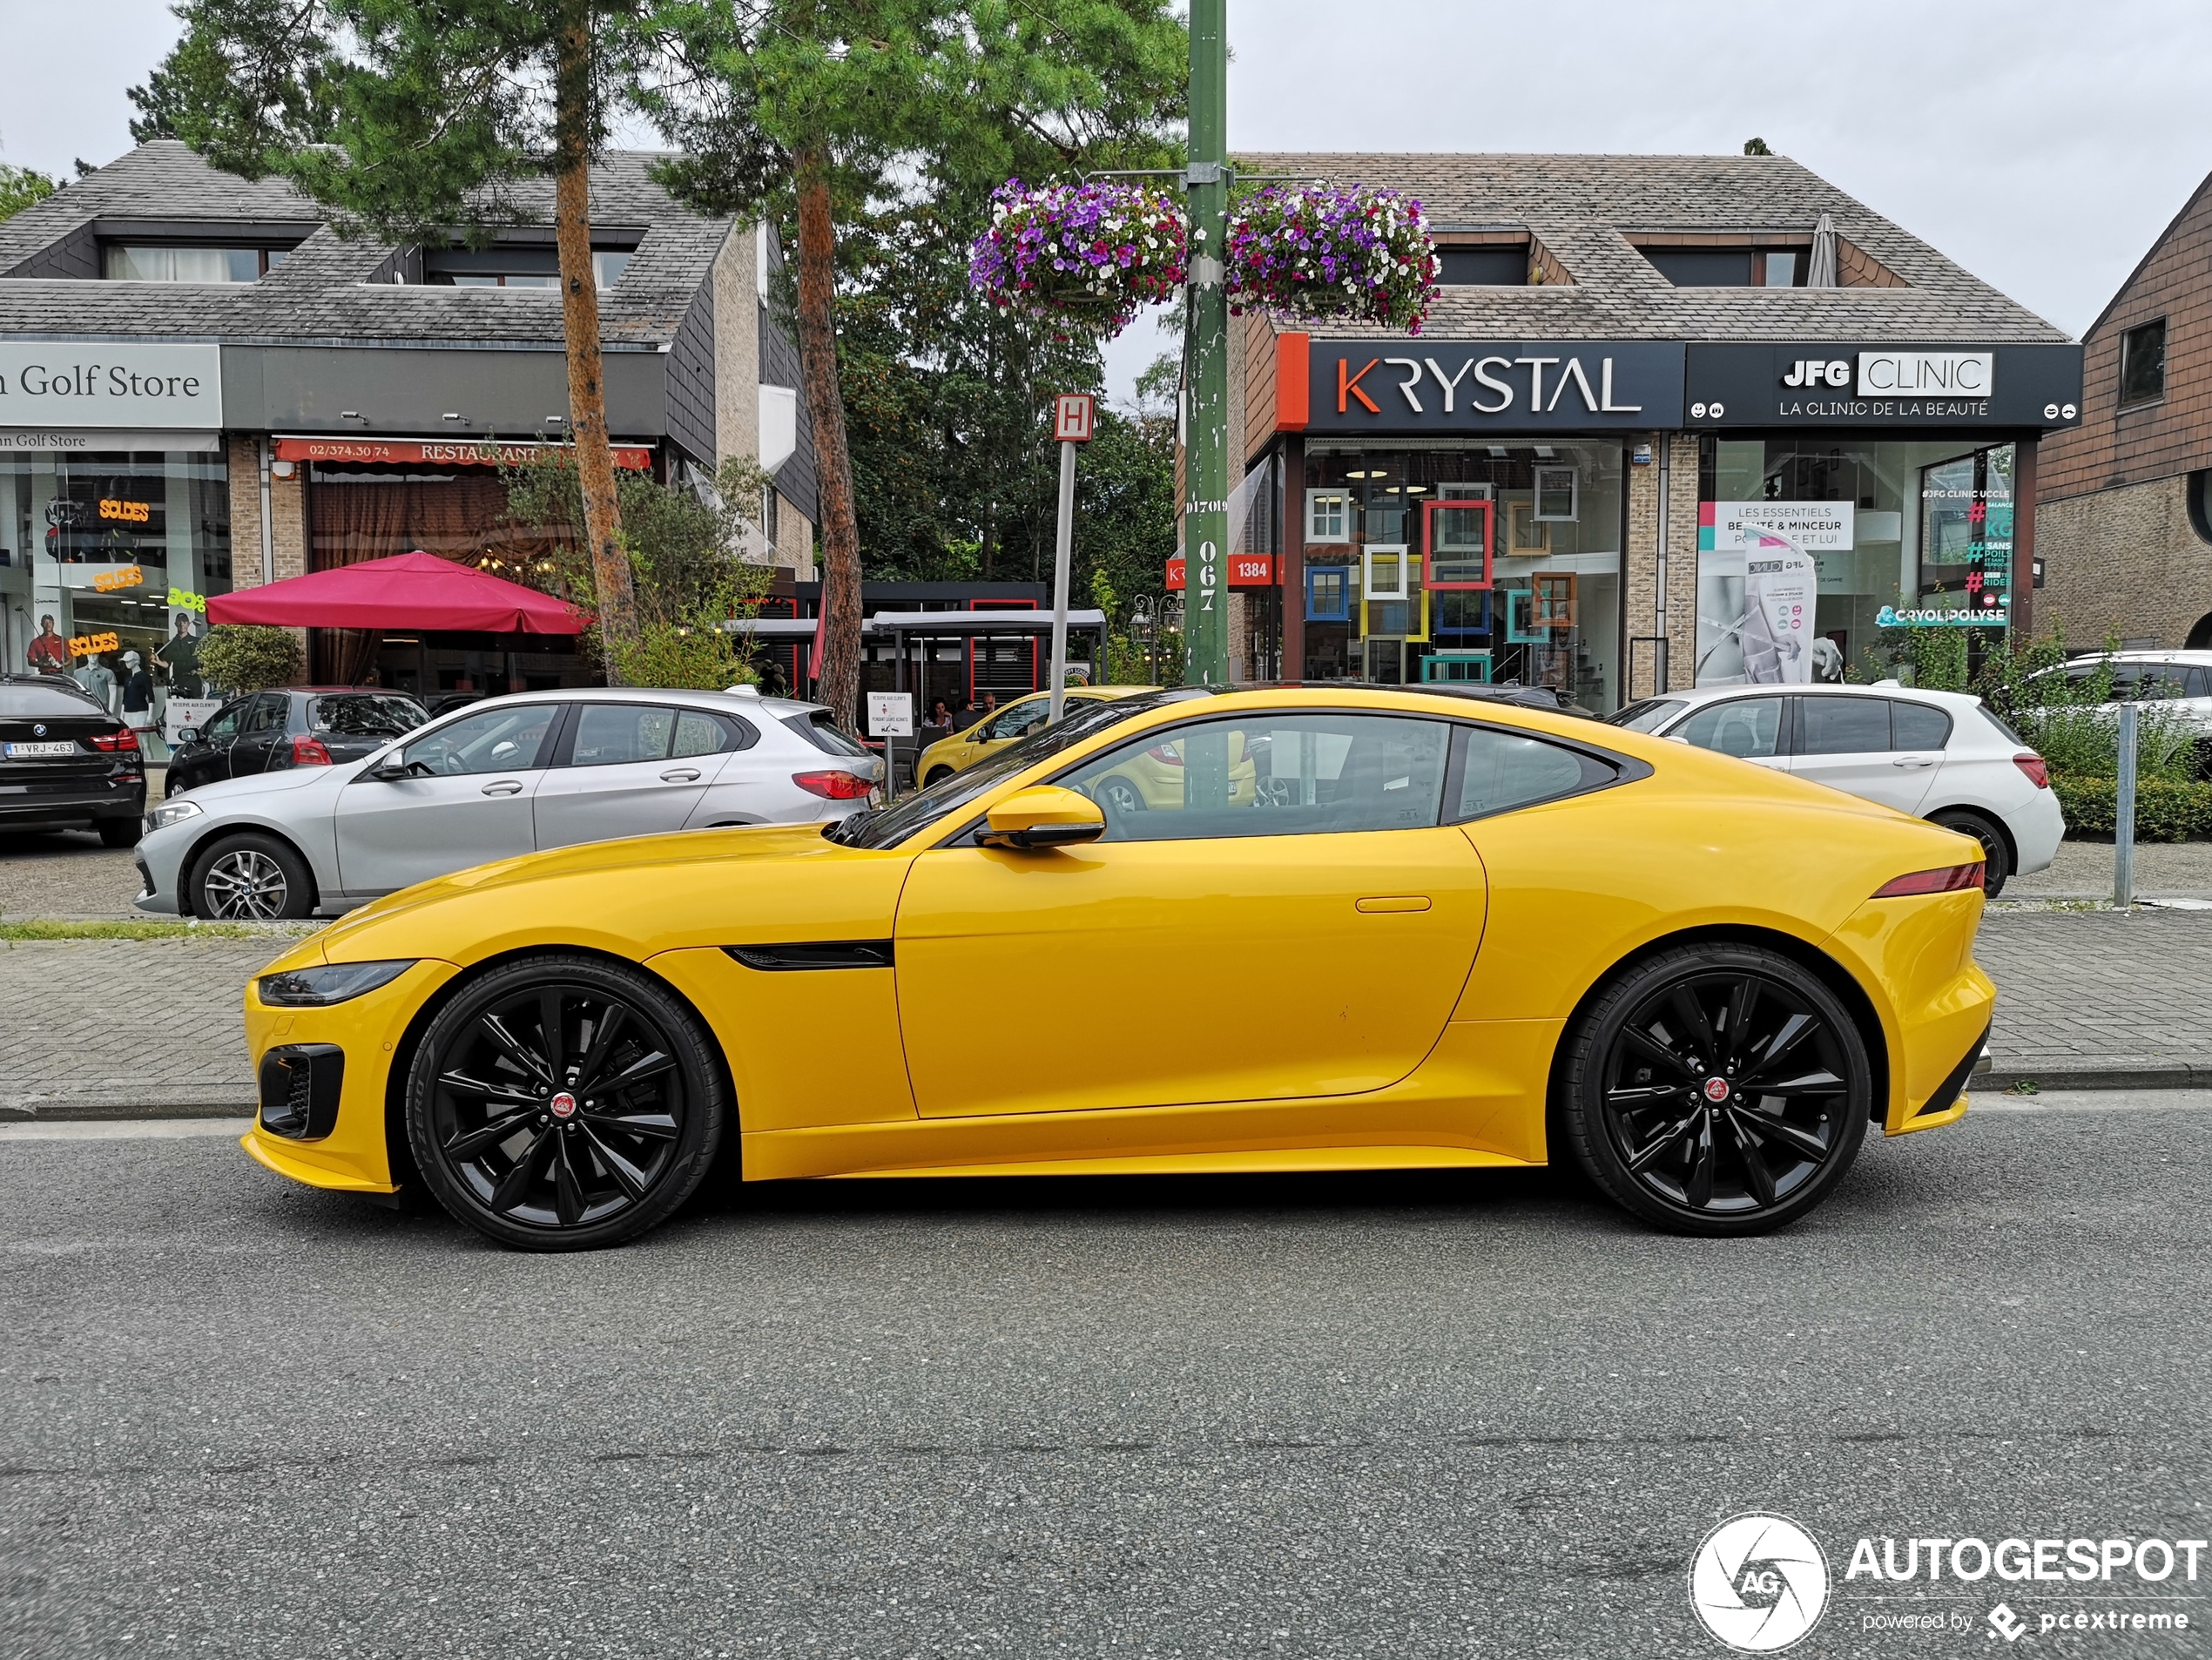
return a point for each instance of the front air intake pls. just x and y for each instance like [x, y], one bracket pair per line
[300, 1090]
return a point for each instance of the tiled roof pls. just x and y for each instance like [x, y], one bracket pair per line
[322, 292]
[1579, 207]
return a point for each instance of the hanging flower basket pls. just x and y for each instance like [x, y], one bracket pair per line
[1087, 255]
[1321, 252]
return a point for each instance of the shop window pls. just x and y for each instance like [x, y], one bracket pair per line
[1328, 515]
[2142, 364]
[156, 263]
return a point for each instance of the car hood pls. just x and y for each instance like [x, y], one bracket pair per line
[229, 792]
[636, 897]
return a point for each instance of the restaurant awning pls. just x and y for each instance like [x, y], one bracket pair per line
[408, 591]
[945, 624]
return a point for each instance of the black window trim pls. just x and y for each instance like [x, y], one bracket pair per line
[2121, 400]
[1626, 768]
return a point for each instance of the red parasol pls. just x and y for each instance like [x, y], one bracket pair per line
[408, 591]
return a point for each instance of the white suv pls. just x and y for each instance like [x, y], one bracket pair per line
[1940, 755]
[2181, 681]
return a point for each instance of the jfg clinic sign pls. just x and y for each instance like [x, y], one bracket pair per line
[1430, 386]
[1853, 383]
[110, 383]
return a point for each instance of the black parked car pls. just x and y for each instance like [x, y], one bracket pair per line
[66, 762]
[264, 732]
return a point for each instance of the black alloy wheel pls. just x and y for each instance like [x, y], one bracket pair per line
[1997, 858]
[564, 1103]
[1717, 1090]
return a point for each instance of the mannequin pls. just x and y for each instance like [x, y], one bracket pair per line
[98, 679]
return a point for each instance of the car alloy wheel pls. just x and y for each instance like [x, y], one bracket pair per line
[1996, 857]
[561, 1103]
[1719, 1091]
[1118, 796]
[244, 884]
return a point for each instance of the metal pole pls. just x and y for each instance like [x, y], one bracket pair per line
[1205, 504]
[2123, 815]
[1660, 668]
[1062, 546]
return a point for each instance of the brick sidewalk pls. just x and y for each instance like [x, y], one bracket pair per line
[2097, 990]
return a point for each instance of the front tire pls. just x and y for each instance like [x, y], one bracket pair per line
[1997, 858]
[563, 1103]
[937, 775]
[1718, 1090]
[251, 879]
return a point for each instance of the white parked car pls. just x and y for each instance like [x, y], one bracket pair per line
[2181, 681]
[489, 780]
[1941, 756]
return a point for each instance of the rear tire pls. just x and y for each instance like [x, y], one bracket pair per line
[937, 775]
[251, 879]
[1997, 858]
[1717, 1090]
[119, 832]
[564, 1103]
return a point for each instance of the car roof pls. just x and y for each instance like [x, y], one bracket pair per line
[774, 708]
[1816, 689]
[2178, 654]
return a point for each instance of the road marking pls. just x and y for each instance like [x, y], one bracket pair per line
[1994, 1101]
[123, 1128]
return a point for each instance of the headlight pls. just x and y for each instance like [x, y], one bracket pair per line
[333, 984]
[171, 813]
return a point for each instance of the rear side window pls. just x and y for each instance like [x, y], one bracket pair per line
[1843, 726]
[818, 729]
[366, 715]
[1749, 727]
[21, 701]
[698, 732]
[1919, 726]
[613, 734]
[1505, 770]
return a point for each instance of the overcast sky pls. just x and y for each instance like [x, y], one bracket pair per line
[2042, 143]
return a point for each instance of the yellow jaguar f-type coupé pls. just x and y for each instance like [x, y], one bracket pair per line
[1368, 928]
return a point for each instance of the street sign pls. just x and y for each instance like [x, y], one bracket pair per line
[1074, 414]
[891, 714]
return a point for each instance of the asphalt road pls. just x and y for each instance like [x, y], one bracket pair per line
[1380, 1415]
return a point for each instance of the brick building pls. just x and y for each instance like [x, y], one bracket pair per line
[203, 386]
[2121, 519]
[1662, 406]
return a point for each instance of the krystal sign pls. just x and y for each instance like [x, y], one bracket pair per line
[1430, 386]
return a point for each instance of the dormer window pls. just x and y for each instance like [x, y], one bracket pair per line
[515, 267]
[176, 262]
[1720, 267]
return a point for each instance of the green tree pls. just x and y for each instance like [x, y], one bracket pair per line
[413, 120]
[20, 187]
[814, 112]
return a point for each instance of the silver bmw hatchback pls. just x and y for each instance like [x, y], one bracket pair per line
[509, 775]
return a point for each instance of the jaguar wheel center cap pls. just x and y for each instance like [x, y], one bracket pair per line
[563, 1105]
[1715, 1091]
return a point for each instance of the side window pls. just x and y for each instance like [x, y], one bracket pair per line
[2198, 683]
[496, 740]
[700, 733]
[1919, 726]
[269, 712]
[223, 727]
[612, 734]
[1843, 726]
[1750, 727]
[1505, 770]
[1021, 720]
[1271, 775]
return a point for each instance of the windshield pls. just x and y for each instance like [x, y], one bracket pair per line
[1648, 716]
[887, 826]
[359, 714]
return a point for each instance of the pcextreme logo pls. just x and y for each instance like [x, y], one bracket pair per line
[1759, 1583]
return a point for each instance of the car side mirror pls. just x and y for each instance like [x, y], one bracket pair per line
[187, 735]
[390, 769]
[1042, 816]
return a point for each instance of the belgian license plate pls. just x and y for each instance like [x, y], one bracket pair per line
[35, 752]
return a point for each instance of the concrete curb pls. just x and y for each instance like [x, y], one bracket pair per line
[224, 1100]
[2095, 1075]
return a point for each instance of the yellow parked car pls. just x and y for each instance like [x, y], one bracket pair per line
[995, 731]
[1439, 929]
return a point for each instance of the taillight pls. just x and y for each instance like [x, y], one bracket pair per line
[1949, 880]
[125, 740]
[309, 752]
[1166, 754]
[834, 786]
[2037, 769]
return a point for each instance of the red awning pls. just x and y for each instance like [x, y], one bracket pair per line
[411, 590]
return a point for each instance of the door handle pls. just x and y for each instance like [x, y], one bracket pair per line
[1913, 760]
[1384, 903]
[504, 786]
[679, 775]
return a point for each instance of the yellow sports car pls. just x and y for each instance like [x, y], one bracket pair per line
[1442, 930]
[959, 750]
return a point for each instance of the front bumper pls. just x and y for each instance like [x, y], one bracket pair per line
[354, 1156]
